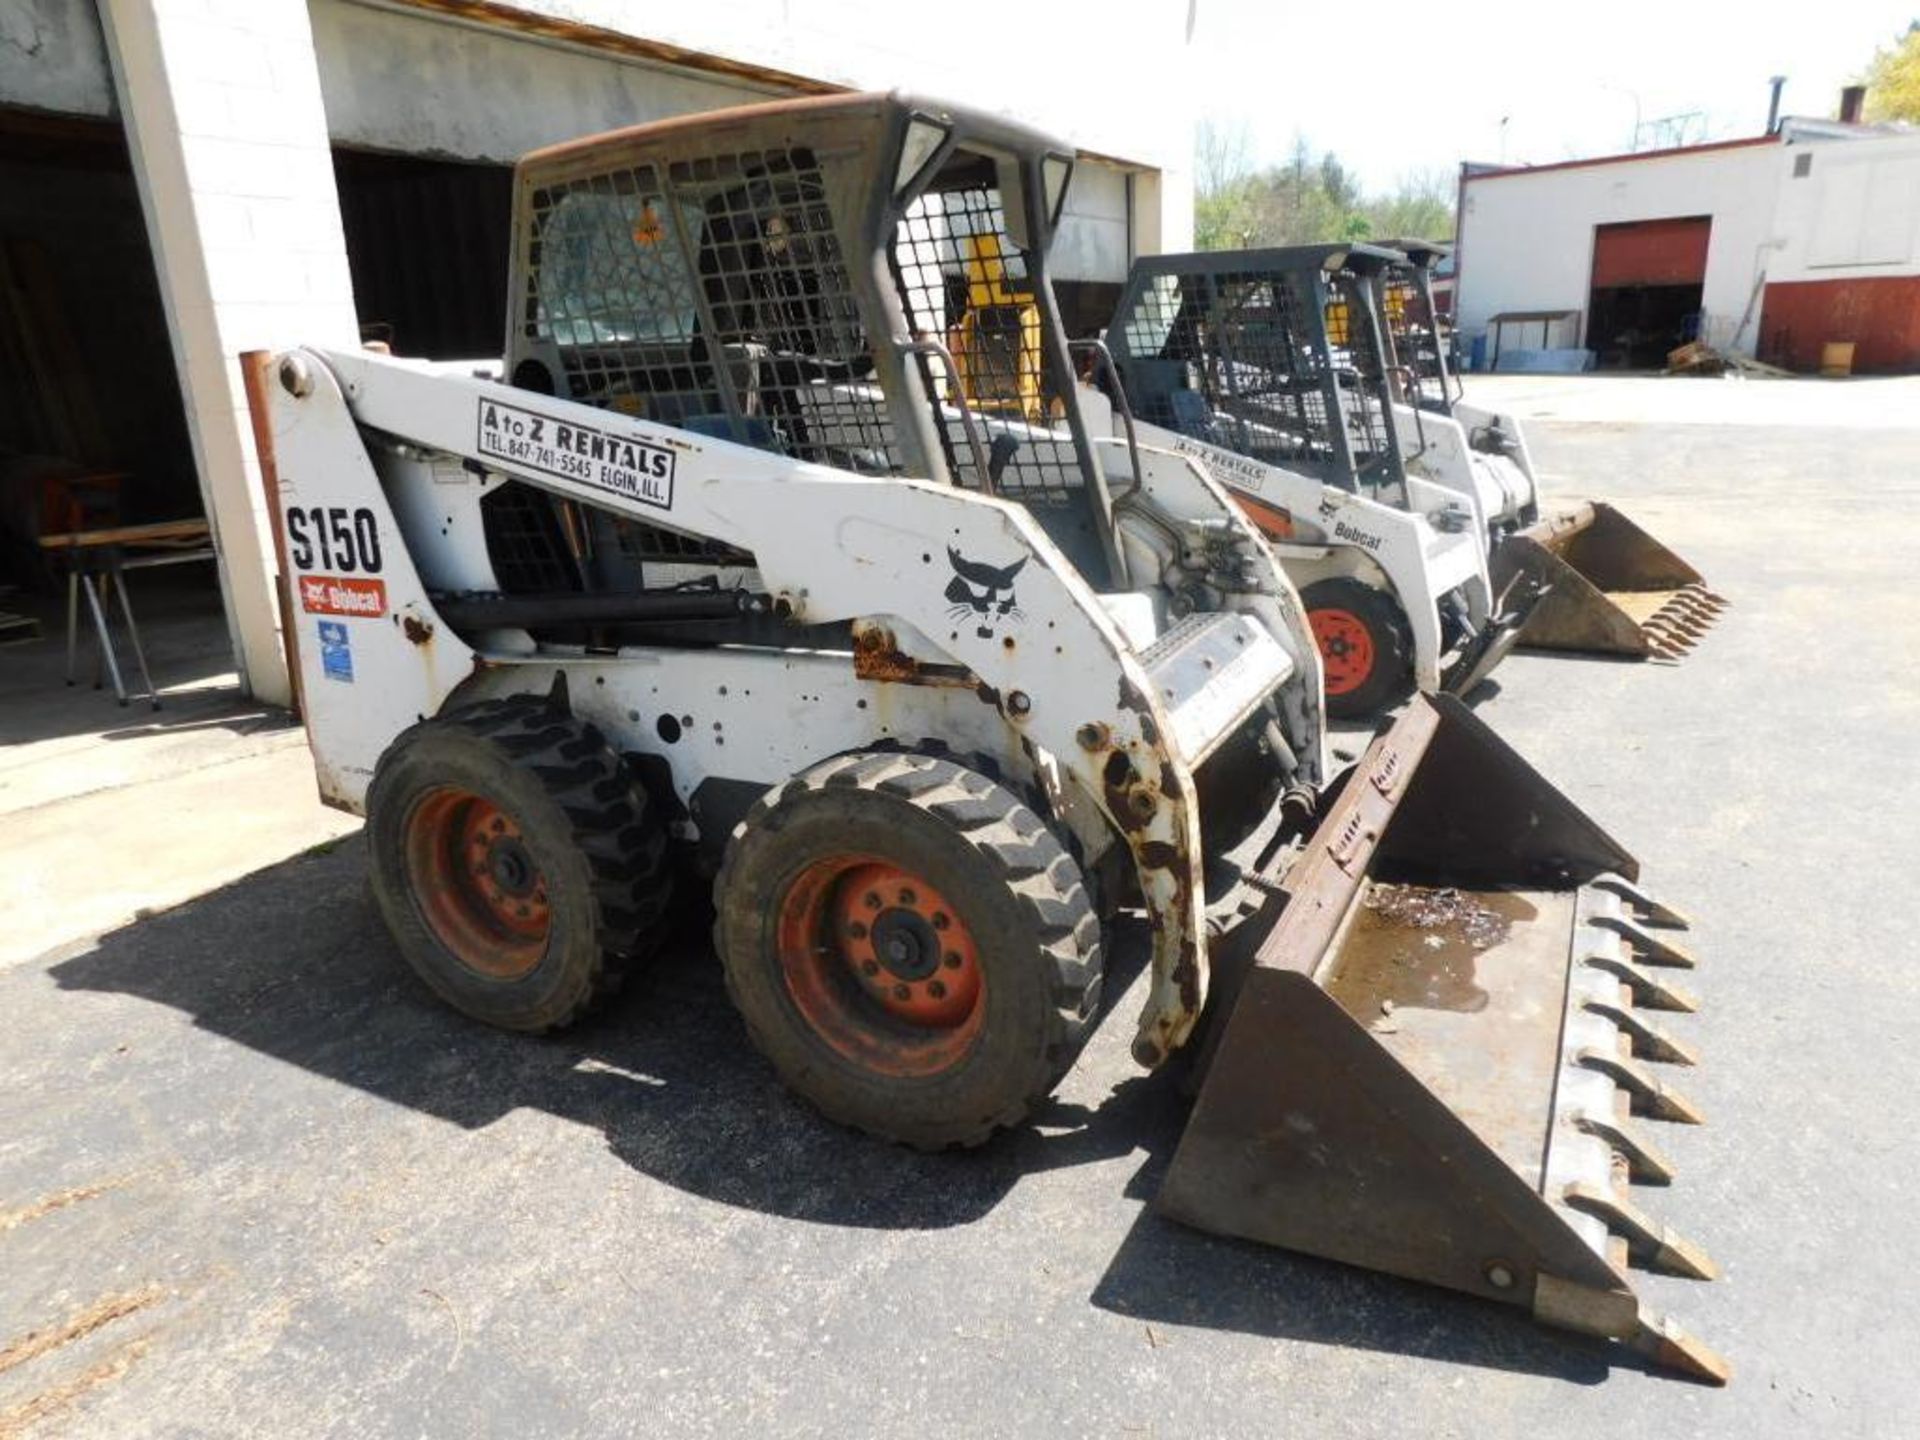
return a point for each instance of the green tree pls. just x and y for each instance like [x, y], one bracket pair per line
[1309, 198]
[1893, 79]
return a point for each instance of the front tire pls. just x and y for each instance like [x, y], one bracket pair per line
[1366, 653]
[909, 945]
[517, 865]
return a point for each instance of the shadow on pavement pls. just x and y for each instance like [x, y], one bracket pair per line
[293, 963]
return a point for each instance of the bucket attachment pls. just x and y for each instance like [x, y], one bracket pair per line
[1480, 653]
[1441, 1061]
[1611, 588]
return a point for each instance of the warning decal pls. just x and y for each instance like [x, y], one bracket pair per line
[336, 651]
[629, 468]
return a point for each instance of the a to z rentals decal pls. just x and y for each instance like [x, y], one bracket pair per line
[632, 469]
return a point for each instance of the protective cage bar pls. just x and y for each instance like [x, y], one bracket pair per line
[1274, 354]
[714, 291]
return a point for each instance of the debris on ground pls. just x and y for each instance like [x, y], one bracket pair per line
[1697, 357]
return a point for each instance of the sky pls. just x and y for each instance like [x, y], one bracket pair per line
[1407, 87]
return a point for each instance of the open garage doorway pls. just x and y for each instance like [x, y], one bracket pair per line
[103, 531]
[1648, 277]
[427, 243]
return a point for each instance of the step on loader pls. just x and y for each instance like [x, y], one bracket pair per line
[727, 584]
[1608, 586]
[1268, 367]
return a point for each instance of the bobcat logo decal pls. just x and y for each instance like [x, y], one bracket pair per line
[983, 593]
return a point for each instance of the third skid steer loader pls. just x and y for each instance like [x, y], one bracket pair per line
[727, 585]
[1268, 367]
[1609, 587]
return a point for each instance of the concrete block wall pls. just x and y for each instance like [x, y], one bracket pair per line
[221, 102]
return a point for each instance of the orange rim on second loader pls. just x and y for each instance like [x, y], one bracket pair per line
[1346, 649]
[881, 965]
[476, 883]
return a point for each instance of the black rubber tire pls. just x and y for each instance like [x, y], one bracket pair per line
[1015, 886]
[1392, 673]
[587, 825]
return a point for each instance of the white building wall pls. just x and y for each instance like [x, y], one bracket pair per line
[1854, 215]
[1526, 239]
[1113, 78]
[53, 57]
[421, 85]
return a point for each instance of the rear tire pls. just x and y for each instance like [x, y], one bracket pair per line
[514, 860]
[1365, 648]
[909, 945]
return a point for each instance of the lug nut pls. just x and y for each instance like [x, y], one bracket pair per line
[857, 930]
[940, 920]
[902, 992]
[951, 960]
[936, 989]
[906, 897]
[869, 967]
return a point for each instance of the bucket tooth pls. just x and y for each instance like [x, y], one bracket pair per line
[1647, 1164]
[1652, 1244]
[1649, 1041]
[1649, 991]
[1694, 603]
[1645, 1094]
[1649, 948]
[1673, 617]
[1659, 627]
[1652, 911]
[1664, 1344]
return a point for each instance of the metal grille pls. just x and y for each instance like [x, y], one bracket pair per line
[525, 541]
[963, 280]
[718, 302]
[1417, 337]
[1277, 365]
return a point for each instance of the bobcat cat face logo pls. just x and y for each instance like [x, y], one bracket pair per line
[983, 593]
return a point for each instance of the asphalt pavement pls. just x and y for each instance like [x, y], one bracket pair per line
[255, 1180]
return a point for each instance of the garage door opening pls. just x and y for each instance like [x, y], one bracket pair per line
[95, 454]
[1648, 278]
[427, 247]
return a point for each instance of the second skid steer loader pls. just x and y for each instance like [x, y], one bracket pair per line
[728, 585]
[1268, 366]
[1609, 587]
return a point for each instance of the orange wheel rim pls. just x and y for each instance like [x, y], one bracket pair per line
[476, 883]
[880, 965]
[1346, 649]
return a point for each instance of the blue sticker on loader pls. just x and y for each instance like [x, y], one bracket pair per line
[336, 655]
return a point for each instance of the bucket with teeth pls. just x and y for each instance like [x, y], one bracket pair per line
[1452, 1056]
[1610, 587]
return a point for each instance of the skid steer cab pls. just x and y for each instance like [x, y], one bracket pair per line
[1270, 368]
[1607, 586]
[734, 584]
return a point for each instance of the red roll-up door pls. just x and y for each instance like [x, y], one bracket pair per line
[1651, 252]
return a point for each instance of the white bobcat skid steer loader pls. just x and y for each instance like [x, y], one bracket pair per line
[1265, 365]
[1609, 587]
[716, 590]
